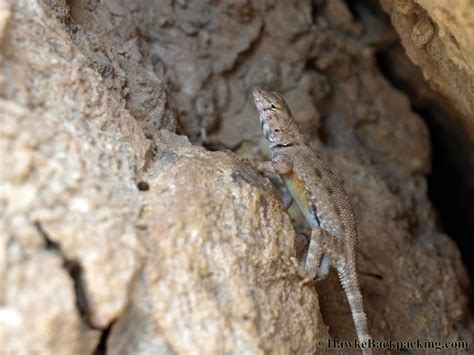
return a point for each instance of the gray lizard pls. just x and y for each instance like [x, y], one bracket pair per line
[320, 196]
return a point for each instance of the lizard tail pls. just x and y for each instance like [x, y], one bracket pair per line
[350, 283]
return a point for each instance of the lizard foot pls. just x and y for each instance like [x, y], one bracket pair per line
[240, 158]
[302, 272]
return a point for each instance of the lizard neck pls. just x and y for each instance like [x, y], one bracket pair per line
[280, 152]
[288, 149]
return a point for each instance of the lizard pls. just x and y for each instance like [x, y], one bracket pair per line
[320, 196]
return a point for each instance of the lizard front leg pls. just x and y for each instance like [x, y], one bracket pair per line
[279, 167]
[282, 167]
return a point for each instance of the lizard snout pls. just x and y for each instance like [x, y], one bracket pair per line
[257, 91]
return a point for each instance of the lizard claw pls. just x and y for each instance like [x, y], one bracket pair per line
[305, 281]
[302, 272]
[294, 262]
[240, 158]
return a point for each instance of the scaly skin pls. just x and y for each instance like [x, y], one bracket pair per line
[321, 198]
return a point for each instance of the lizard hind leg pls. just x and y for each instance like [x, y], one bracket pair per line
[287, 199]
[315, 254]
[324, 250]
[310, 268]
[323, 270]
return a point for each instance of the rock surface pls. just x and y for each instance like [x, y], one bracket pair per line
[69, 154]
[439, 37]
[118, 236]
[218, 278]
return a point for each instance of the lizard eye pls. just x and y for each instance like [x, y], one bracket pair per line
[277, 130]
[273, 106]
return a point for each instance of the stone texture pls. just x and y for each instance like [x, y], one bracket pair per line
[218, 278]
[32, 280]
[438, 36]
[453, 163]
[67, 148]
[176, 249]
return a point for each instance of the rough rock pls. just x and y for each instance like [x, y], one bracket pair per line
[167, 247]
[453, 163]
[67, 148]
[218, 278]
[33, 277]
[111, 43]
[438, 36]
[188, 47]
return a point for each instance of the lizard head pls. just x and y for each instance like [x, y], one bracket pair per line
[276, 120]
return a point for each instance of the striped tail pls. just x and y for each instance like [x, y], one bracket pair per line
[350, 282]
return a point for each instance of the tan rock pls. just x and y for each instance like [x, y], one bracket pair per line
[61, 159]
[38, 302]
[217, 278]
[169, 248]
[438, 36]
